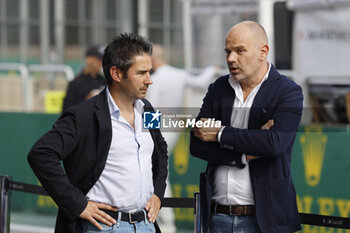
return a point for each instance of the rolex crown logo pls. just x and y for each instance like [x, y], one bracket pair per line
[181, 155]
[313, 148]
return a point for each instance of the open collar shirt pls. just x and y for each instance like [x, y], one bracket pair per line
[232, 185]
[126, 181]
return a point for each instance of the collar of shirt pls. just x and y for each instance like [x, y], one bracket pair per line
[114, 109]
[238, 89]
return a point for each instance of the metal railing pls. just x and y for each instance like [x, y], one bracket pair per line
[67, 70]
[6, 185]
[25, 74]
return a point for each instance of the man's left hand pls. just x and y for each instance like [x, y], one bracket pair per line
[207, 134]
[153, 207]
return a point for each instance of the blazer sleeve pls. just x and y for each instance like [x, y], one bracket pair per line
[212, 152]
[160, 174]
[45, 159]
[273, 142]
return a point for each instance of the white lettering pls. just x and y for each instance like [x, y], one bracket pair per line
[190, 123]
[181, 124]
[176, 123]
[199, 124]
[164, 125]
[217, 124]
[206, 124]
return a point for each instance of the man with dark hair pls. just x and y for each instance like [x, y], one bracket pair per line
[114, 172]
[122, 54]
[248, 186]
[88, 81]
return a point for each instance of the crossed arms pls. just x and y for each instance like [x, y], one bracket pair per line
[285, 111]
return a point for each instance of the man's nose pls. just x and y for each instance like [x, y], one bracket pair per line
[148, 79]
[232, 57]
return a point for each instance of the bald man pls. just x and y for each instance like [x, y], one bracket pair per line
[248, 186]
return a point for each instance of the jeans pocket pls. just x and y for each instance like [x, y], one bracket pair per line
[88, 227]
[150, 226]
[219, 222]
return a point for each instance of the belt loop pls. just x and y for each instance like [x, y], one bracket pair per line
[146, 219]
[245, 209]
[119, 219]
[215, 206]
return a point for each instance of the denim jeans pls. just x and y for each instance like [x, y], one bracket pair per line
[224, 223]
[120, 227]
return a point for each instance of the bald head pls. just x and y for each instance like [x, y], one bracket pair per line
[252, 30]
[246, 52]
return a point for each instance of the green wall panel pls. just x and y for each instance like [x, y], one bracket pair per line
[18, 132]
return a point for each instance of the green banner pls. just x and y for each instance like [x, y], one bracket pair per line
[320, 166]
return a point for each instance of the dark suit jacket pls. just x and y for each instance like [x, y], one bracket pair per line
[81, 138]
[280, 99]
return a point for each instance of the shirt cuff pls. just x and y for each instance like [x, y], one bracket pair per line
[220, 132]
[244, 159]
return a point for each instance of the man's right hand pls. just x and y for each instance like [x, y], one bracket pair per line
[268, 125]
[93, 213]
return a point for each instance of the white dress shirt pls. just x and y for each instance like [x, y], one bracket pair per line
[126, 181]
[232, 185]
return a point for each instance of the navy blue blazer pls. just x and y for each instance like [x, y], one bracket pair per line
[280, 99]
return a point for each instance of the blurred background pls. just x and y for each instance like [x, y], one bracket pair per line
[43, 45]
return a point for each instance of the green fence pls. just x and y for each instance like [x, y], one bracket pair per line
[320, 166]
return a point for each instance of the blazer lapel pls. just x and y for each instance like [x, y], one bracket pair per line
[227, 104]
[104, 131]
[263, 99]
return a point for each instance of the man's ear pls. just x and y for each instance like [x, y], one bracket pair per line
[116, 74]
[264, 51]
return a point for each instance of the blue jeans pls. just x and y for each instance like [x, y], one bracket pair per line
[120, 227]
[224, 223]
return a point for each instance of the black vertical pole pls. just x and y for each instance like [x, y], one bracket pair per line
[4, 204]
[197, 218]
